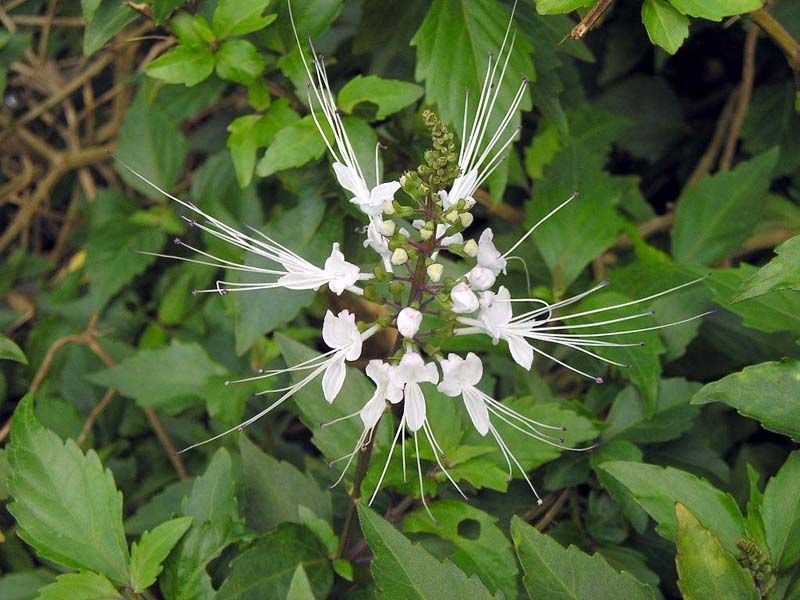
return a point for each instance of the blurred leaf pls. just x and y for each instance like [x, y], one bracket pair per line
[481, 548]
[151, 143]
[275, 490]
[266, 571]
[672, 415]
[152, 549]
[108, 18]
[555, 572]
[657, 489]
[715, 10]
[716, 215]
[781, 273]
[85, 585]
[232, 18]
[666, 27]
[777, 311]
[24, 583]
[772, 119]
[156, 377]
[557, 7]
[239, 61]
[163, 9]
[188, 65]
[780, 510]
[66, 504]
[300, 586]
[405, 570]
[769, 392]
[293, 146]
[389, 95]
[10, 351]
[706, 571]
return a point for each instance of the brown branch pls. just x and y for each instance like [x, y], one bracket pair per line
[742, 97]
[501, 209]
[552, 513]
[764, 241]
[95, 413]
[706, 162]
[780, 36]
[591, 19]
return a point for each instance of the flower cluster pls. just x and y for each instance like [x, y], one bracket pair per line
[408, 232]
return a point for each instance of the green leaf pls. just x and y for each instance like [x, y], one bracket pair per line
[188, 65]
[24, 584]
[266, 571]
[453, 45]
[666, 27]
[152, 549]
[109, 17]
[705, 570]
[251, 132]
[778, 311]
[300, 586]
[768, 392]
[239, 61]
[716, 215]
[10, 351]
[672, 414]
[293, 146]
[65, 503]
[781, 273]
[481, 548]
[85, 585]
[716, 10]
[151, 143]
[780, 511]
[617, 450]
[657, 489]
[232, 18]
[275, 490]
[555, 572]
[405, 570]
[161, 378]
[558, 7]
[114, 256]
[390, 95]
[772, 118]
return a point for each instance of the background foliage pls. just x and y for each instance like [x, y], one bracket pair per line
[676, 120]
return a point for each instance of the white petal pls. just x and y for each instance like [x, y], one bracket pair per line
[464, 299]
[384, 192]
[372, 411]
[478, 413]
[333, 378]
[429, 373]
[408, 322]
[521, 351]
[301, 281]
[350, 180]
[472, 370]
[415, 407]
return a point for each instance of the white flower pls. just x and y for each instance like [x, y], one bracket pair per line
[412, 371]
[408, 322]
[459, 378]
[463, 187]
[340, 334]
[488, 256]
[399, 257]
[337, 273]
[464, 299]
[481, 278]
[370, 201]
[378, 243]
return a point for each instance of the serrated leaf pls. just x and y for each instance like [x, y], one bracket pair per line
[275, 490]
[152, 549]
[65, 502]
[657, 489]
[705, 570]
[232, 18]
[716, 215]
[188, 65]
[781, 273]
[482, 549]
[293, 146]
[10, 351]
[109, 17]
[780, 511]
[85, 585]
[390, 95]
[666, 27]
[157, 377]
[239, 61]
[768, 392]
[555, 572]
[405, 570]
[715, 10]
[266, 571]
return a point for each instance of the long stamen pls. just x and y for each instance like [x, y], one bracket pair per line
[432, 441]
[388, 459]
[421, 487]
[542, 220]
[504, 446]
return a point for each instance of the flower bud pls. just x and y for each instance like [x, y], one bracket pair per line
[481, 278]
[396, 289]
[464, 299]
[471, 248]
[408, 322]
[466, 219]
[435, 271]
[388, 208]
[451, 216]
[399, 257]
[425, 234]
[387, 228]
